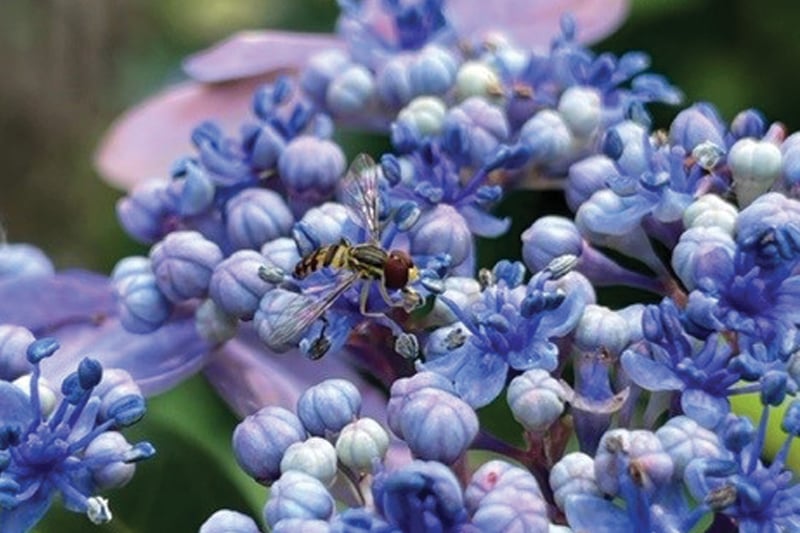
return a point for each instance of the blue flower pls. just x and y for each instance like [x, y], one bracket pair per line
[511, 326]
[671, 360]
[758, 497]
[422, 496]
[73, 450]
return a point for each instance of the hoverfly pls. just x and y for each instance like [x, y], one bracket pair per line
[367, 261]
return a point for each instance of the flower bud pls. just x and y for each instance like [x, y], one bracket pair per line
[477, 79]
[235, 285]
[314, 456]
[213, 324]
[420, 496]
[535, 399]
[581, 109]
[685, 440]
[483, 125]
[748, 123]
[586, 177]
[703, 252]
[320, 226]
[110, 475]
[226, 521]
[436, 425]
[514, 500]
[183, 263]
[710, 211]
[622, 452]
[634, 159]
[351, 91]
[196, 191]
[547, 136]
[442, 230]
[360, 443]
[393, 83]
[423, 115]
[141, 305]
[695, 125]
[47, 394]
[142, 212]
[755, 166]
[115, 385]
[602, 329]
[492, 475]
[261, 439]
[281, 253]
[298, 495]
[320, 70]
[432, 71]
[23, 260]
[14, 341]
[327, 407]
[547, 238]
[311, 167]
[256, 216]
[573, 474]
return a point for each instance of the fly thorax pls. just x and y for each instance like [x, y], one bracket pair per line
[367, 260]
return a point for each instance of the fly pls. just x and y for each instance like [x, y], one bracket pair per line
[368, 262]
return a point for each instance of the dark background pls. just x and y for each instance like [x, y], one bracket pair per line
[69, 67]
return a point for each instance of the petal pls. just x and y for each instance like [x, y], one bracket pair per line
[252, 53]
[41, 303]
[249, 376]
[649, 374]
[536, 22]
[28, 513]
[145, 141]
[156, 361]
[591, 513]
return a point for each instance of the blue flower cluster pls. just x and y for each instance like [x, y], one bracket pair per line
[263, 243]
[63, 441]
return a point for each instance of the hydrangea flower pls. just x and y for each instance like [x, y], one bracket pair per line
[71, 446]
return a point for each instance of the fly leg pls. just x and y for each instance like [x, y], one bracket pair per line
[362, 301]
[321, 344]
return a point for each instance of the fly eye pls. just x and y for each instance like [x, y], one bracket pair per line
[395, 271]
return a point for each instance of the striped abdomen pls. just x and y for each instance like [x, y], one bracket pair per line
[367, 260]
[334, 256]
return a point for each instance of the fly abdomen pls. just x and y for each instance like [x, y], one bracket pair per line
[334, 255]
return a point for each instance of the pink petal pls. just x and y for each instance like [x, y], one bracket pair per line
[536, 22]
[145, 141]
[250, 53]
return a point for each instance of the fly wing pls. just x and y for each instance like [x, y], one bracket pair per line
[360, 193]
[300, 314]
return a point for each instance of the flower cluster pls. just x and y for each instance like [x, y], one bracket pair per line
[261, 242]
[63, 441]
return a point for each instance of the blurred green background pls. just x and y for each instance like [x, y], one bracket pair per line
[71, 66]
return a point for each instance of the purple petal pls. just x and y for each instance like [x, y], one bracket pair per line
[27, 515]
[157, 361]
[649, 374]
[145, 141]
[536, 22]
[42, 303]
[249, 376]
[252, 53]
